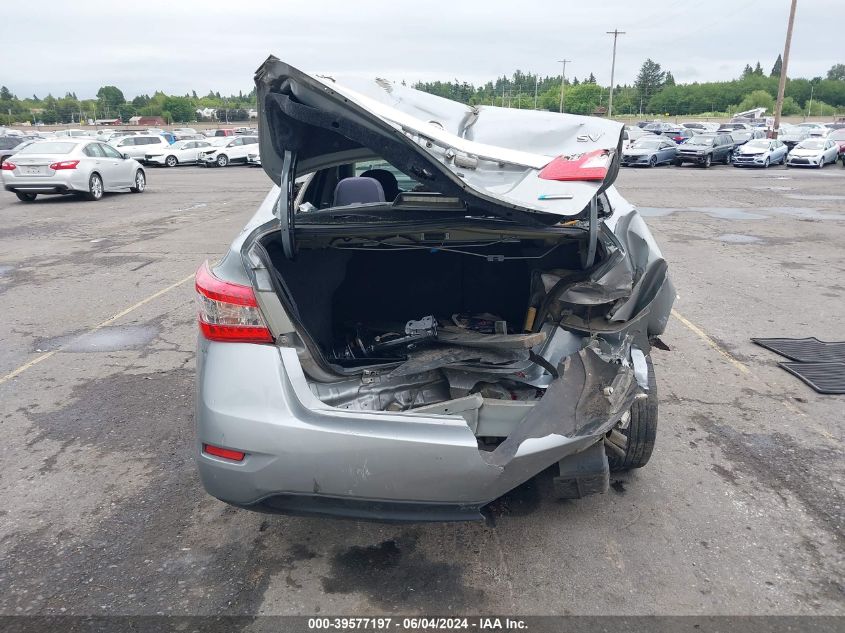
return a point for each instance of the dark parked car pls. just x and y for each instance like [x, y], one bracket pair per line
[8, 146]
[659, 127]
[741, 137]
[706, 149]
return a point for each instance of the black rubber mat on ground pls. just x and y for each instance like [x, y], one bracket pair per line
[805, 350]
[823, 377]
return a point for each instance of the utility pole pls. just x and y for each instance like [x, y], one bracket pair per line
[810, 104]
[615, 33]
[783, 68]
[562, 81]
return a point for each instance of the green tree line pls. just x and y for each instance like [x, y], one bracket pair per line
[110, 103]
[655, 91]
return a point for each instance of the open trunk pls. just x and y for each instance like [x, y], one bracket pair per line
[492, 349]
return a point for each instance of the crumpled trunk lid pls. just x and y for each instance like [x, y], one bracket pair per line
[515, 164]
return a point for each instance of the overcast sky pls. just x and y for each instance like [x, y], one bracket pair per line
[183, 45]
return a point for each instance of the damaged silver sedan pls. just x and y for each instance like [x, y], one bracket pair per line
[434, 303]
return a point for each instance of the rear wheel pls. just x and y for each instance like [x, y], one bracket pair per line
[26, 197]
[95, 187]
[171, 161]
[222, 160]
[140, 182]
[631, 447]
[727, 160]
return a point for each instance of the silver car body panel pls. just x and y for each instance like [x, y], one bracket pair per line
[492, 154]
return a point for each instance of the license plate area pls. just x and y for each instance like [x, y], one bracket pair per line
[32, 170]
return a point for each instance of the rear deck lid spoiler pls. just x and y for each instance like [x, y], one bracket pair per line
[510, 163]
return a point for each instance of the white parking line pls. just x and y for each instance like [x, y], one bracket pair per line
[111, 319]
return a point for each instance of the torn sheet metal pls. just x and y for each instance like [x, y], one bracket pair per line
[590, 396]
[428, 358]
[490, 157]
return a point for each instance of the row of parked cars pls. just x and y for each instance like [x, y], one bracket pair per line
[741, 144]
[90, 164]
[181, 146]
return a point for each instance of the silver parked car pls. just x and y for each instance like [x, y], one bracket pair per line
[650, 151]
[813, 152]
[760, 152]
[71, 166]
[413, 348]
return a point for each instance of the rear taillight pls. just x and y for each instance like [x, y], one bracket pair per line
[225, 453]
[588, 166]
[7, 166]
[65, 164]
[229, 312]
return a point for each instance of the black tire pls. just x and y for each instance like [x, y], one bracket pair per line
[766, 163]
[140, 182]
[171, 161]
[641, 432]
[652, 162]
[222, 160]
[821, 162]
[708, 160]
[23, 196]
[95, 187]
[677, 163]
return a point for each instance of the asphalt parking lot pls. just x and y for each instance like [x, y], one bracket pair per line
[740, 511]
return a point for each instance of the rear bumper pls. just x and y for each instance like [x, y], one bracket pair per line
[41, 188]
[63, 181]
[304, 457]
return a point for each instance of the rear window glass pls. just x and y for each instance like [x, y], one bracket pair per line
[405, 182]
[9, 142]
[48, 148]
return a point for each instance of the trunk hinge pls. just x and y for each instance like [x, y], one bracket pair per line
[589, 256]
[285, 206]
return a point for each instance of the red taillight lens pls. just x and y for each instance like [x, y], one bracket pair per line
[7, 166]
[588, 166]
[229, 312]
[65, 164]
[225, 453]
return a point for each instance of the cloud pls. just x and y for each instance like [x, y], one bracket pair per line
[191, 45]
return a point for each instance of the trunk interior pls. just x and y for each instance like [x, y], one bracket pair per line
[339, 291]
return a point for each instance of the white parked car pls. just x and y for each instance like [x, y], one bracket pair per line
[813, 152]
[183, 130]
[228, 149]
[140, 145]
[815, 129]
[75, 133]
[180, 153]
[254, 157]
[70, 166]
[630, 134]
